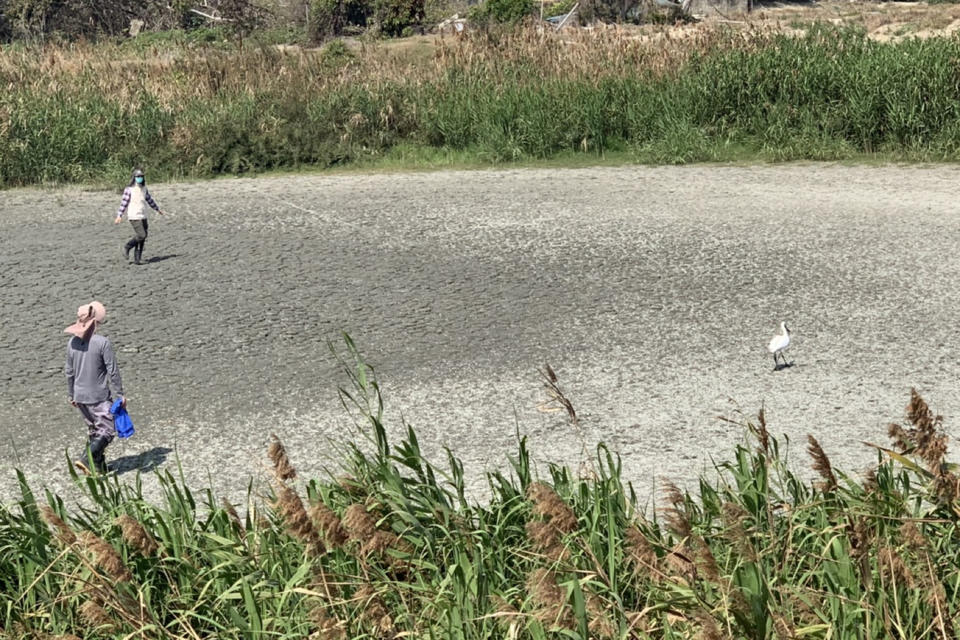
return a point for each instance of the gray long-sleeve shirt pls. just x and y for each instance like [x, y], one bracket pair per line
[90, 367]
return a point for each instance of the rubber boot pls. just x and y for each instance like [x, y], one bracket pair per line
[98, 447]
[126, 248]
[136, 255]
[94, 457]
[85, 463]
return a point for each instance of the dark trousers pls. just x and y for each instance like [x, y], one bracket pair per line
[139, 235]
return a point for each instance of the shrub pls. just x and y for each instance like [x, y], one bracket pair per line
[329, 18]
[398, 17]
[502, 11]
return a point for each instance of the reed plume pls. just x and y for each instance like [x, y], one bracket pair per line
[326, 626]
[549, 598]
[709, 629]
[231, 512]
[912, 536]
[295, 519]
[104, 556]
[61, 531]
[821, 464]
[547, 540]
[328, 524]
[926, 439]
[277, 453]
[640, 554]
[551, 507]
[675, 513]
[358, 523]
[95, 615]
[136, 536]
[374, 611]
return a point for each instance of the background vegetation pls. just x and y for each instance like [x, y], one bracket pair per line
[188, 108]
[390, 546]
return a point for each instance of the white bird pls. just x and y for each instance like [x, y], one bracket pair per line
[778, 343]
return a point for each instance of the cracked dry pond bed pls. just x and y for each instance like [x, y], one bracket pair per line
[652, 292]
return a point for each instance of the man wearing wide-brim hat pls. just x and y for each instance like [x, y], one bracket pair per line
[91, 371]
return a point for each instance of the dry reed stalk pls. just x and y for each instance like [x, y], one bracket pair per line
[504, 612]
[821, 464]
[290, 508]
[61, 531]
[282, 468]
[937, 598]
[551, 507]
[600, 625]
[783, 629]
[104, 556]
[136, 536]
[894, 569]
[329, 525]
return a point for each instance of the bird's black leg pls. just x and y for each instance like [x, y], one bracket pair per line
[776, 365]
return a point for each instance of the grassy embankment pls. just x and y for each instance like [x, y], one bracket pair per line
[90, 112]
[389, 547]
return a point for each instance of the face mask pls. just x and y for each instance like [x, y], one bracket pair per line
[139, 179]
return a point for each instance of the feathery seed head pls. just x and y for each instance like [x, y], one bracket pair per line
[282, 468]
[95, 615]
[358, 522]
[821, 464]
[104, 556]
[136, 536]
[61, 531]
[328, 524]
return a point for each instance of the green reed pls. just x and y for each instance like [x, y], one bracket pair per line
[91, 112]
[391, 545]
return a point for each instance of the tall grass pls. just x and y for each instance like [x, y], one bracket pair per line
[390, 546]
[93, 111]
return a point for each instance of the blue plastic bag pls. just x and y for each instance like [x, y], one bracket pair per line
[121, 419]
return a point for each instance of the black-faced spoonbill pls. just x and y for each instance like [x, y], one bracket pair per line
[777, 345]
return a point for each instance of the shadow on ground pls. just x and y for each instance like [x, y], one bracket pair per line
[143, 462]
[162, 258]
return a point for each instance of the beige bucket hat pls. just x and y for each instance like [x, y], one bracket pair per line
[88, 317]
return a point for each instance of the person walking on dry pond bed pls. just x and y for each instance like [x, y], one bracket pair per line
[91, 371]
[134, 204]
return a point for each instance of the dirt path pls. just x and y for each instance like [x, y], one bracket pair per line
[651, 291]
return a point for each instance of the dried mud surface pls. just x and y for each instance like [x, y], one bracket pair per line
[651, 291]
